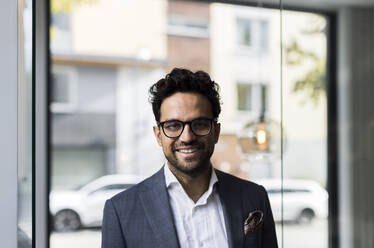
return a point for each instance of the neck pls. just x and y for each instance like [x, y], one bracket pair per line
[194, 185]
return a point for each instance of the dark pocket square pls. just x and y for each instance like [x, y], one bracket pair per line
[253, 222]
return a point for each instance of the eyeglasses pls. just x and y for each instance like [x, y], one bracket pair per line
[199, 127]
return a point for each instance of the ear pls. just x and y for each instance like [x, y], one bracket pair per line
[157, 132]
[217, 131]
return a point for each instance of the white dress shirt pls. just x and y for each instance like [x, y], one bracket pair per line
[199, 224]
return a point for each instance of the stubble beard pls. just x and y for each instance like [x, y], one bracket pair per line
[191, 167]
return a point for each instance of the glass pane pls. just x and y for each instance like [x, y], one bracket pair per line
[110, 52]
[109, 64]
[305, 199]
[25, 155]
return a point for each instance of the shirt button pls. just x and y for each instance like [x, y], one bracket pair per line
[201, 244]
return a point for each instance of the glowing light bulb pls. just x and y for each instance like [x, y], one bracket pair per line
[261, 137]
[259, 140]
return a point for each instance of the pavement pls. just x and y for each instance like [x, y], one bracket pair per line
[314, 235]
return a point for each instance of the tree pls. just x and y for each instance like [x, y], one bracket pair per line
[66, 6]
[313, 84]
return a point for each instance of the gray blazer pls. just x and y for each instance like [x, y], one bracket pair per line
[141, 216]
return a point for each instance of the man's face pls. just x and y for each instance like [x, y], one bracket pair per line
[188, 153]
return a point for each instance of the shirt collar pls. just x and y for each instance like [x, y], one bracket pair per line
[169, 176]
[170, 180]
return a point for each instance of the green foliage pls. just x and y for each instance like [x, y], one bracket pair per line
[313, 84]
[296, 55]
[66, 6]
[316, 25]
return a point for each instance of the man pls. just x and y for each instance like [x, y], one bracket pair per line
[188, 203]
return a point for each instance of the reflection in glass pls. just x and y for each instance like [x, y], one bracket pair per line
[305, 123]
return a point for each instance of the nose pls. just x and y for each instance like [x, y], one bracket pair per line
[187, 135]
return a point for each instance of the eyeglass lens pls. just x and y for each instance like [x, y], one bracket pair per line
[199, 127]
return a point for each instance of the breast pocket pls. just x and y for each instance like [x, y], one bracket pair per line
[251, 240]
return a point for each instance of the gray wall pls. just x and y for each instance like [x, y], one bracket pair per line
[356, 126]
[8, 123]
[96, 89]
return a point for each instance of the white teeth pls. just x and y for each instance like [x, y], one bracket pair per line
[187, 150]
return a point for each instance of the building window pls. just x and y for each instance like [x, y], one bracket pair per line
[264, 97]
[61, 20]
[264, 35]
[244, 96]
[252, 97]
[252, 33]
[61, 32]
[245, 32]
[63, 89]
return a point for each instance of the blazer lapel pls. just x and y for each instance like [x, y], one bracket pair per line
[155, 201]
[230, 196]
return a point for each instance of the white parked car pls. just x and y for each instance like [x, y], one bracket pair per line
[84, 207]
[303, 200]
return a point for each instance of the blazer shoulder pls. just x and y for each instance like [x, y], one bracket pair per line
[228, 178]
[132, 193]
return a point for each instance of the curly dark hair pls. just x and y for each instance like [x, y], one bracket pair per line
[184, 80]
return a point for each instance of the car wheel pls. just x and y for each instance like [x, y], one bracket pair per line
[306, 216]
[66, 220]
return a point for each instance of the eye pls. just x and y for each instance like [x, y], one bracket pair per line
[201, 124]
[172, 125]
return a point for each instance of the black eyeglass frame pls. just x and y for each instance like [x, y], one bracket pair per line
[214, 120]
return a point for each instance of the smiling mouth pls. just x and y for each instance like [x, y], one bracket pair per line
[190, 150]
[188, 153]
